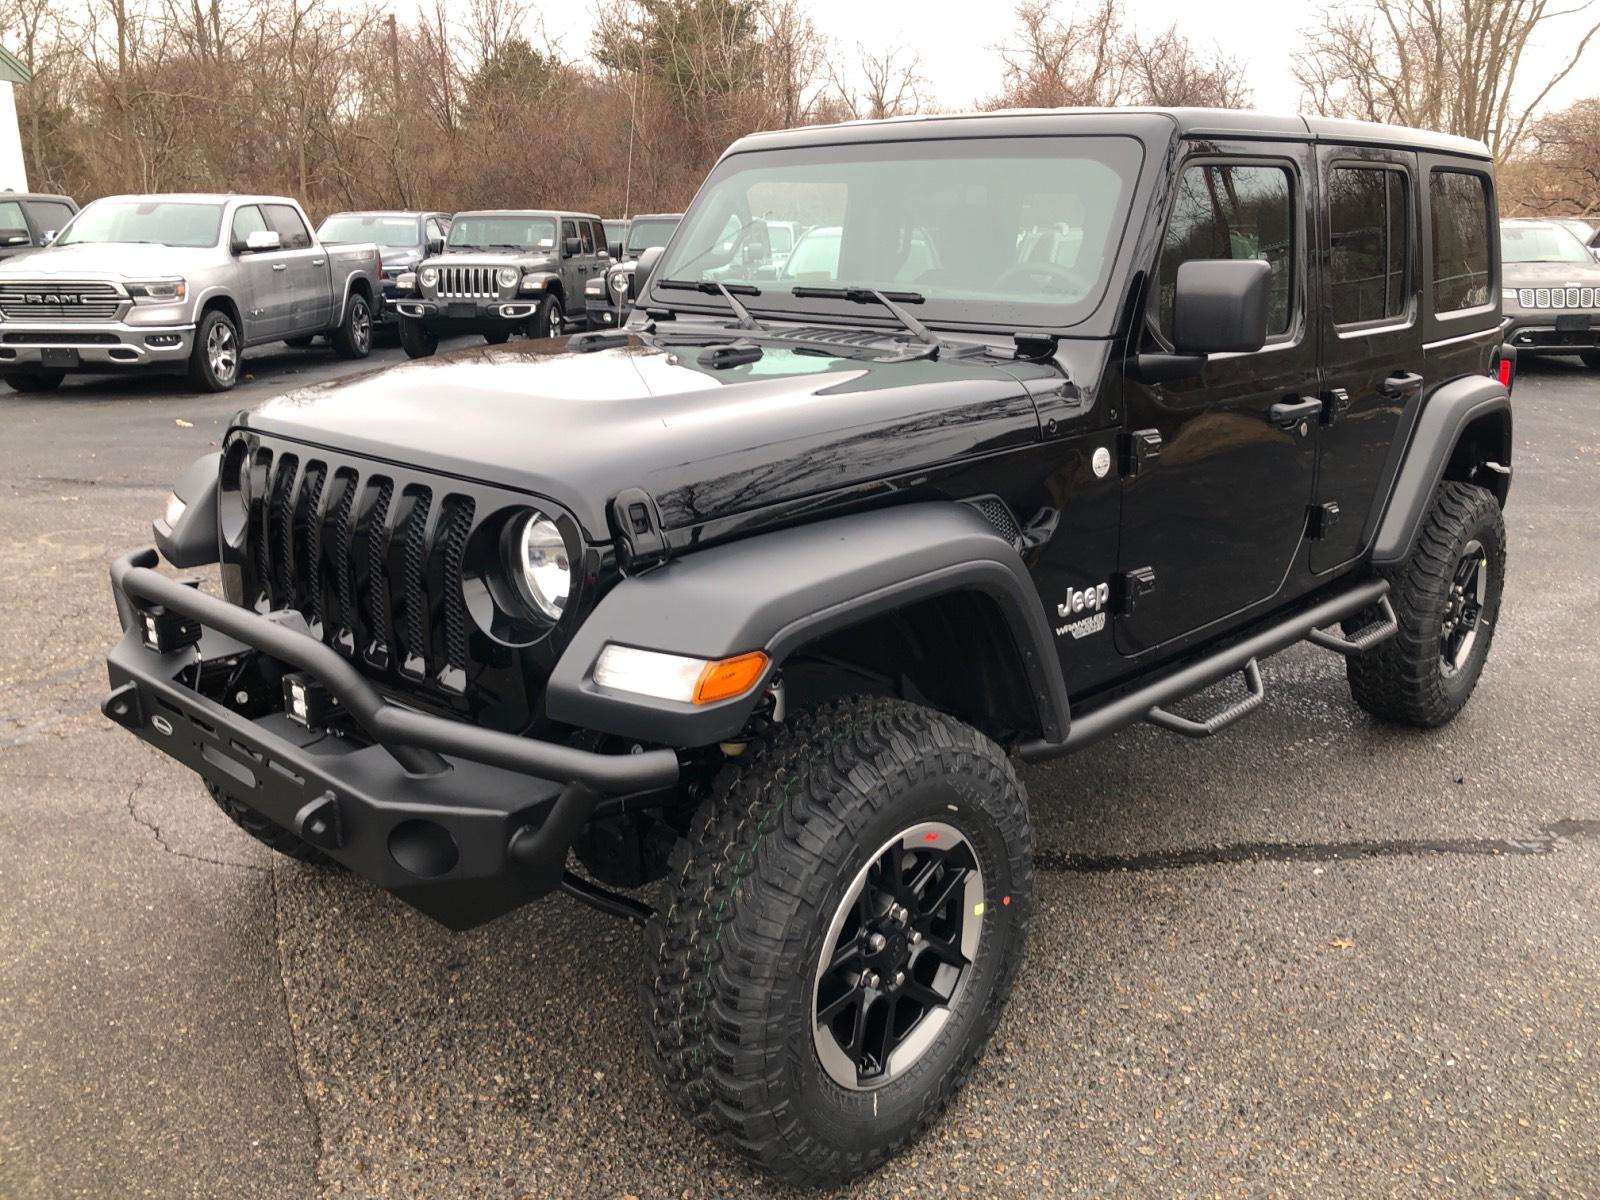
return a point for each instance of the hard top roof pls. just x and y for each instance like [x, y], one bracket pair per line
[524, 212]
[1146, 122]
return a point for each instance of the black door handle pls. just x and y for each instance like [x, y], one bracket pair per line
[1286, 414]
[1402, 385]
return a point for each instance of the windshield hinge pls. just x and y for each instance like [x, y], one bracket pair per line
[1036, 345]
[636, 522]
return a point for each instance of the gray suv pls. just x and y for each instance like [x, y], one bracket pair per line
[502, 272]
[1550, 291]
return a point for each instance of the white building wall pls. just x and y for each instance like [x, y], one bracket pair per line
[13, 171]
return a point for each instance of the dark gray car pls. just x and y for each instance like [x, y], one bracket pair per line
[29, 220]
[1550, 291]
[403, 238]
[502, 272]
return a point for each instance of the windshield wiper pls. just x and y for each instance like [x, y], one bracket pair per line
[729, 292]
[862, 295]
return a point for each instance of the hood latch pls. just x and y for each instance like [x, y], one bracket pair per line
[636, 522]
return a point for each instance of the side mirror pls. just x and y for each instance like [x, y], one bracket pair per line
[648, 259]
[1219, 306]
[15, 237]
[257, 241]
[572, 246]
[435, 246]
[615, 250]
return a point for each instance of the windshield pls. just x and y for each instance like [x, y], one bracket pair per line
[157, 222]
[510, 232]
[1002, 230]
[394, 233]
[1541, 243]
[644, 234]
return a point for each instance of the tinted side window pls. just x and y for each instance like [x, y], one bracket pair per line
[1368, 227]
[49, 214]
[1458, 202]
[290, 227]
[1232, 212]
[598, 232]
[246, 221]
[569, 229]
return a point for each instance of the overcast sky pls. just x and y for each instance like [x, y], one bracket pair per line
[960, 61]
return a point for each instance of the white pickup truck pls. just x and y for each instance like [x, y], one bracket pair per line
[181, 281]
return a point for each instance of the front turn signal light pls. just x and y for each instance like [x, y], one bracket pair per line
[678, 677]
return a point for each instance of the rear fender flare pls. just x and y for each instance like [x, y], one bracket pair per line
[1474, 410]
[778, 591]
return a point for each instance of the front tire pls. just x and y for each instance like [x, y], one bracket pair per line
[268, 833]
[550, 320]
[1446, 598]
[891, 839]
[416, 339]
[353, 338]
[33, 381]
[214, 361]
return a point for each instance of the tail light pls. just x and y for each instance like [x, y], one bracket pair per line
[1505, 366]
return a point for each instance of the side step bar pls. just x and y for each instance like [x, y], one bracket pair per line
[1381, 630]
[1255, 693]
[1146, 702]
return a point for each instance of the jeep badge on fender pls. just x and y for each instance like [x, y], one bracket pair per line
[745, 596]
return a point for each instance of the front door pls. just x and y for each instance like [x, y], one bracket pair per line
[1219, 466]
[263, 295]
[1371, 329]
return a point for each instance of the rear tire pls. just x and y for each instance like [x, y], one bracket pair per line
[268, 833]
[34, 381]
[1446, 598]
[416, 339]
[353, 338]
[784, 936]
[214, 361]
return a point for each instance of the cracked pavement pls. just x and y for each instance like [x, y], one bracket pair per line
[1311, 955]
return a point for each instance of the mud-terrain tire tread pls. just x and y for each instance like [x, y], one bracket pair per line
[1399, 680]
[750, 875]
[270, 834]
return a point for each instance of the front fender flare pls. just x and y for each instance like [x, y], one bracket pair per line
[777, 591]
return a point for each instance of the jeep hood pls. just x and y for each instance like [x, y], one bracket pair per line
[706, 443]
[1549, 274]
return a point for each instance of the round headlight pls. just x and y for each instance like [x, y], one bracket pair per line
[508, 276]
[428, 276]
[619, 282]
[542, 569]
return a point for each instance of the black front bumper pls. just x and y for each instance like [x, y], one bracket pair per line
[1550, 331]
[460, 822]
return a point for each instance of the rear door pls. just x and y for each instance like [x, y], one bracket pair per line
[1371, 328]
[309, 307]
[1219, 478]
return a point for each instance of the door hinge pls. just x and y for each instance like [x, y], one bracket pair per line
[1140, 448]
[637, 523]
[1320, 518]
[1131, 585]
[1335, 403]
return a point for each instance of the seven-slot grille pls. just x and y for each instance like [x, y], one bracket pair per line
[372, 560]
[472, 283]
[53, 299]
[1561, 297]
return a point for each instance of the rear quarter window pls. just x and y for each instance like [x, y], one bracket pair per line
[1458, 204]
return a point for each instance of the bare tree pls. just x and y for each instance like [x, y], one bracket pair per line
[1436, 64]
[886, 84]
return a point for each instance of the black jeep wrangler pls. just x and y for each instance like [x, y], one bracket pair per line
[767, 594]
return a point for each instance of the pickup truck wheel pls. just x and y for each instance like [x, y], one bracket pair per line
[850, 909]
[269, 834]
[33, 381]
[549, 321]
[1446, 598]
[353, 338]
[214, 361]
[416, 339]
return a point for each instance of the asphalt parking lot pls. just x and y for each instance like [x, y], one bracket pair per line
[1312, 956]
